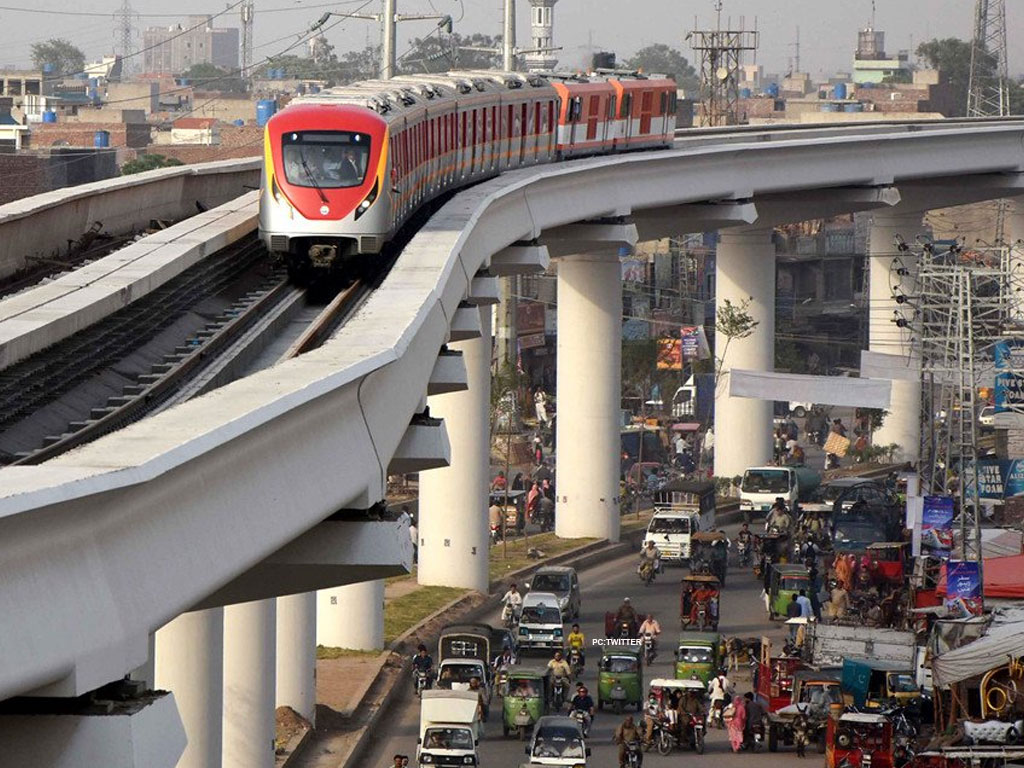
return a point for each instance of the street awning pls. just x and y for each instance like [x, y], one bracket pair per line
[1001, 643]
[824, 390]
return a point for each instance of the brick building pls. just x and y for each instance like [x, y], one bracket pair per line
[236, 141]
[32, 172]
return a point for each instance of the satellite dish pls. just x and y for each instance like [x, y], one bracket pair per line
[722, 73]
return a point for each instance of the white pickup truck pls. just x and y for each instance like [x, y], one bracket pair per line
[449, 728]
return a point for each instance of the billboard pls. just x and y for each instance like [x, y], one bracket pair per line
[1009, 389]
[695, 343]
[964, 596]
[1001, 479]
[670, 355]
[937, 525]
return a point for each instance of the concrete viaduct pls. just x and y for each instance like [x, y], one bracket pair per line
[184, 550]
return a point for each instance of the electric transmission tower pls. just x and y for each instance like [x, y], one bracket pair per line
[248, 12]
[720, 53]
[988, 93]
[126, 33]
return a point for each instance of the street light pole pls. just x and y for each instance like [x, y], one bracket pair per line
[640, 454]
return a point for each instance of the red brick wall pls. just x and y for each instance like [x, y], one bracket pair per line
[83, 134]
[248, 136]
[23, 175]
[193, 153]
[31, 173]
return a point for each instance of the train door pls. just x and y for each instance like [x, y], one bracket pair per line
[593, 114]
[552, 128]
[523, 132]
[535, 132]
[627, 116]
[646, 106]
[509, 133]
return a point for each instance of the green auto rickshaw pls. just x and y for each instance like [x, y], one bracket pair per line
[620, 680]
[786, 580]
[699, 656]
[527, 698]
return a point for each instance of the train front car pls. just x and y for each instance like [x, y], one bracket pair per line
[324, 195]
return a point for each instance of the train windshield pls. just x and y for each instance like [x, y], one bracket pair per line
[325, 159]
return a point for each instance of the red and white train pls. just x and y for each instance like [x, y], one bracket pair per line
[345, 168]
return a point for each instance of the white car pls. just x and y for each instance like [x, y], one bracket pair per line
[557, 741]
[540, 623]
[799, 409]
[987, 416]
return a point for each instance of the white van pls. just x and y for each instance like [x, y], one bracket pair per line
[449, 728]
[540, 623]
[557, 740]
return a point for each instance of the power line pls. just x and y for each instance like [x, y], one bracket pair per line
[114, 14]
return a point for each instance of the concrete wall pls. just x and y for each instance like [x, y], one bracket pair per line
[42, 224]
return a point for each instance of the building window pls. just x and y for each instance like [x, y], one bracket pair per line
[539, 16]
[547, 15]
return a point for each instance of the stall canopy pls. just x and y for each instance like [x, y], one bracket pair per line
[997, 646]
[1004, 578]
[825, 390]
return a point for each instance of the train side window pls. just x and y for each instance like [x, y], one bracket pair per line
[575, 109]
[663, 103]
[611, 107]
[462, 138]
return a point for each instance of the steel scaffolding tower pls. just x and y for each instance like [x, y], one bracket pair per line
[720, 54]
[963, 303]
[126, 34]
[988, 92]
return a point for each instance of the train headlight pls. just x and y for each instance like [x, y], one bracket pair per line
[364, 206]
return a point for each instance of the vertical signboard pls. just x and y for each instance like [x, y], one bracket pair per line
[964, 596]
[937, 526]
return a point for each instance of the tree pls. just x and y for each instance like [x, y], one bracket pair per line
[441, 53]
[732, 322]
[210, 77]
[665, 60]
[952, 57]
[148, 163]
[58, 56]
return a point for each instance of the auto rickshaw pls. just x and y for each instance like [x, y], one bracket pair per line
[889, 559]
[709, 554]
[527, 698]
[620, 678]
[769, 548]
[702, 607]
[698, 656]
[859, 739]
[661, 689]
[786, 581]
[775, 677]
[514, 511]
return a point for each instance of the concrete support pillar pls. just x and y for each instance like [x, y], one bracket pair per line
[249, 684]
[296, 654]
[453, 531]
[744, 272]
[902, 424]
[589, 396]
[506, 333]
[351, 616]
[190, 663]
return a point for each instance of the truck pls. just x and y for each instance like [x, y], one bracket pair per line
[449, 728]
[827, 645]
[762, 485]
[681, 508]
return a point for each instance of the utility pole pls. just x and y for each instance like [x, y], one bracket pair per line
[508, 37]
[248, 12]
[126, 32]
[388, 19]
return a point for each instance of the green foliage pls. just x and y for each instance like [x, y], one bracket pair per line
[663, 59]
[60, 54]
[899, 76]
[732, 322]
[210, 77]
[788, 357]
[952, 57]
[440, 53]
[148, 163]
[639, 363]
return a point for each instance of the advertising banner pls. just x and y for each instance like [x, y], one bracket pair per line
[1009, 389]
[1000, 478]
[963, 589]
[695, 343]
[670, 355]
[937, 525]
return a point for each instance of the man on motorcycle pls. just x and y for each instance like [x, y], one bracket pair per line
[778, 516]
[627, 732]
[745, 537]
[651, 627]
[650, 557]
[582, 702]
[626, 614]
[576, 641]
[755, 720]
[690, 706]
[652, 716]
[422, 662]
[512, 600]
[560, 670]
[503, 661]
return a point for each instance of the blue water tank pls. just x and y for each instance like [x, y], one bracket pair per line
[101, 139]
[49, 116]
[772, 90]
[828, 106]
[744, 93]
[239, 122]
[265, 109]
[855, 107]
[840, 90]
[314, 89]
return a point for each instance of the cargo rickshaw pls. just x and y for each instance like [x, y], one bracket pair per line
[528, 697]
[691, 732]
[700, 602]
[814, 692]
[698, 656]
[889, 560]
[514, 510]
[859, 740]
[775, 677]
[620, 679]
[709, 554]
[769, 548]
[785, 581]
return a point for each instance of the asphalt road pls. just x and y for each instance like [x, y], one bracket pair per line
[603, 588]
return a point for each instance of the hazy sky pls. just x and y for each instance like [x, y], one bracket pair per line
[827, 27]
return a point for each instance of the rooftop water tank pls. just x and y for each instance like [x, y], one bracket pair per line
[828, 106]
[772, 90]
[265, 109]
[840, 90]
[855, 107]
[49, 116]
[239, 122]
